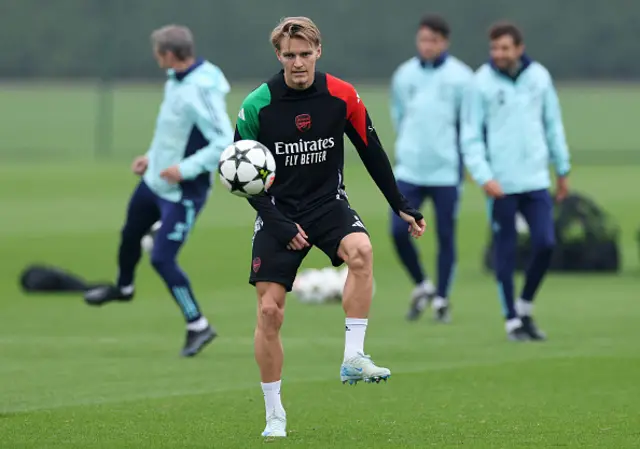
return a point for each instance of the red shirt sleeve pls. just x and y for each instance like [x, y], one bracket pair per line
[362, 134]
[356, 111]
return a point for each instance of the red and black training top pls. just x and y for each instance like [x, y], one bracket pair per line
[304, 130]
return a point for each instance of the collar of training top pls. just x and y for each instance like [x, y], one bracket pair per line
[182, 75]
[435, 63]
[525, 61]
[291, 92]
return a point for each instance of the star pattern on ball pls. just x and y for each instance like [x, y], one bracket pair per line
[240, 156]
[263, 171]
[237, 185]
[246, 170]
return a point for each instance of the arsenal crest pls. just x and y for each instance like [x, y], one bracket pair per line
[303, 122]
[256, 264]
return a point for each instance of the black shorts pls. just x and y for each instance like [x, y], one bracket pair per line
[325, 227]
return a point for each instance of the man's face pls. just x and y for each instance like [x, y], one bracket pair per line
[430, 44]
[298, 58]
[165, 60]
[505, 53]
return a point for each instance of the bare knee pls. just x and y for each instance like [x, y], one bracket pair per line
[270, 312]
[270, 308]
[357, 252]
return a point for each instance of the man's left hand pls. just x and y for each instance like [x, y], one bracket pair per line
[562, 188]
[171, 174]
[416, 227]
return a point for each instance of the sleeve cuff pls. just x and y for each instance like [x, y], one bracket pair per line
[484, 178]
[187, 170]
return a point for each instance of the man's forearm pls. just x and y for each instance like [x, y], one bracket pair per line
[274, 221]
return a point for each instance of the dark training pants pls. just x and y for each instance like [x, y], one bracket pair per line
[537, 209]
[145, 208]
[445, 203]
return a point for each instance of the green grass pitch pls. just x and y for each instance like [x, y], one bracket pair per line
[77, 377]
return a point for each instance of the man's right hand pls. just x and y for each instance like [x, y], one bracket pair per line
[299, 241]
[493, 189]
[139, 165]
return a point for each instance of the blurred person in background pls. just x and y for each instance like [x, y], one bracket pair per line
[426, 98]
[511, 130]
[192, 130]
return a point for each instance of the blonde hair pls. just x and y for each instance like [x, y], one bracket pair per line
[298, 27]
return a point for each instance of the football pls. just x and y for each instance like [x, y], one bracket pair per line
[147, 240]
[247, 168]
[321, 286]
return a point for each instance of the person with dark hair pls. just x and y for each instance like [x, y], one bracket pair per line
[511, 131]
[426, 96]
[506, 29]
